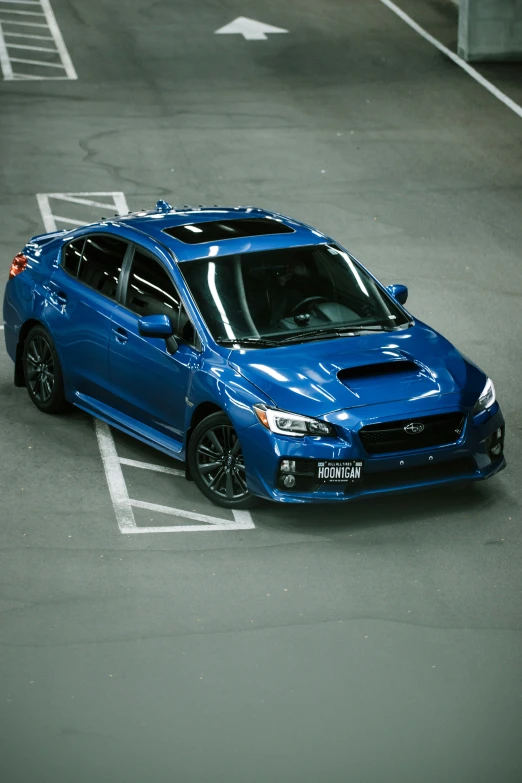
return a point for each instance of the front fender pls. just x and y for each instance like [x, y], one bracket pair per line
[218, 383]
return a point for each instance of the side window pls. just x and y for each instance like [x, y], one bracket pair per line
[101, 263]
[71, 256]
[150, 290]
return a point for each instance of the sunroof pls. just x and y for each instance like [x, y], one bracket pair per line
[216, 230]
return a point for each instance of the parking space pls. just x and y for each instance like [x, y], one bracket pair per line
[31, 44]
[62, 211]
[153, 494]
[378, 641]
[161, 499]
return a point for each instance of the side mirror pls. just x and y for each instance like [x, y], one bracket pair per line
[399, 292]
[155, 326]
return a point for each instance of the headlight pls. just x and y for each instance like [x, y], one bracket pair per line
[291, 423]
[486, 399]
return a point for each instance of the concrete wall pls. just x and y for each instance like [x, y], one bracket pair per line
[490, 29]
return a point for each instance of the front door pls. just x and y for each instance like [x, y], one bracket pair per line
[81, 297]
[149, 380]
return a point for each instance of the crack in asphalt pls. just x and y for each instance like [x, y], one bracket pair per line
[267, 627]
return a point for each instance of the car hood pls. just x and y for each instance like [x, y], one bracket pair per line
[315, 378]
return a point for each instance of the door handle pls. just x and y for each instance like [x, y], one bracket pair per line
[121, 335]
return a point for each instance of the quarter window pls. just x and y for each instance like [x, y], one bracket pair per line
[186, 330]
[101, 263]
[72, 254]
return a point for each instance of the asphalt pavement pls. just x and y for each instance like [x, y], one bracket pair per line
[379, 642]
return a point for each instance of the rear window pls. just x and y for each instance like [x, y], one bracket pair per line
[217, 230]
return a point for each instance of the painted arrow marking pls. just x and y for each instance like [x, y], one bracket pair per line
[249, 29]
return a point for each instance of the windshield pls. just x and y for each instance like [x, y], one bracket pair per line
[291, 293]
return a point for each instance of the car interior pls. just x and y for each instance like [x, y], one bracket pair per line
[279, 297]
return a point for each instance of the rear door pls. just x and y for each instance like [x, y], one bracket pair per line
[81, 300]
[149, 379]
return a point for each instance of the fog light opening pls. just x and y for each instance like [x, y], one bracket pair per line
[289, 481]
[496, 444]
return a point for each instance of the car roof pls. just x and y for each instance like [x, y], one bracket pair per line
[154, 223]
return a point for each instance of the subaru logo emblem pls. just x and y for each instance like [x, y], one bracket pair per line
[414, 427]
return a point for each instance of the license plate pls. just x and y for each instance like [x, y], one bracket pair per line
[339, 471]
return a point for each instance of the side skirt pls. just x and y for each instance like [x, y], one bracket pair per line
[129, 426]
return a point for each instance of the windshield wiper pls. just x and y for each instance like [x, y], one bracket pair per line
[247, 341]
[342, 331]
[312, 334]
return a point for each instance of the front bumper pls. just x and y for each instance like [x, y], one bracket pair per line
[468, 459]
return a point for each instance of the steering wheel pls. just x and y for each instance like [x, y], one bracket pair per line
[308, 301]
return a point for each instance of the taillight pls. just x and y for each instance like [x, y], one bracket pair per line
[18, 265]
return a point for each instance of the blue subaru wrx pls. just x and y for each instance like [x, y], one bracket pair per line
[254, 348]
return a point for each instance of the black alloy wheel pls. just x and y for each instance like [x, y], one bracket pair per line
[42, 372]
[216, 463]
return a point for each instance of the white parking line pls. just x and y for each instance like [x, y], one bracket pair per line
[123, 504]
[34, 62]
[456, 59]
[177, 512]
[115, 479]
[134, 463]
[31, 37]
[5, 62]
[12, 18]
[120, 202]
[32, 48]
[23, 24]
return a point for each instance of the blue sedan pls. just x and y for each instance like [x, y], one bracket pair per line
[252, 347]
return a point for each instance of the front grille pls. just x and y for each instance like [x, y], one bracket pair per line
[418, 474]
[392, 437]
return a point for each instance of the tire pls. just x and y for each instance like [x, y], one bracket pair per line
[216, 463]
[42, 372]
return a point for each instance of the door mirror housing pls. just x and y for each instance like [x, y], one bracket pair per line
[155, 326]
[399, 292]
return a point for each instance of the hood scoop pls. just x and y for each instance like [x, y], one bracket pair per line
[398, 379]
[379, 370]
